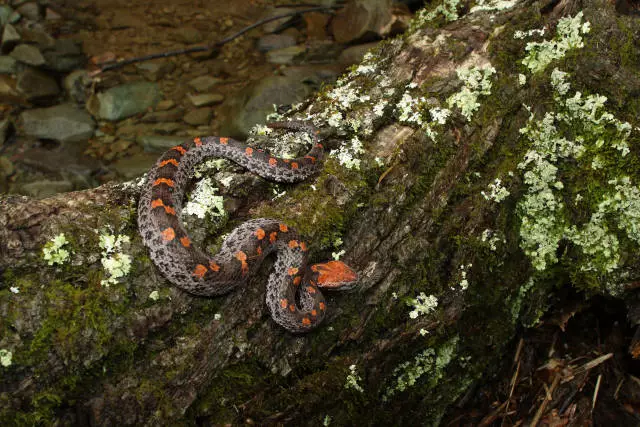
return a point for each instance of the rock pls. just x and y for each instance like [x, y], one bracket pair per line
[51, 15]
[163, 116]
[10, 37]
[29, 54]
[361, 20]
[65, 55]
[6, 167]
[75, 84]
[204, 83]
[155, 70]
[165, 104]
[61, 123]
[36, 84]
[354, 54]
[124, 101]
[14, 17]
[134, 166]
[8, 65]
[205, 99]
[273, 26]
[45, 188]
[255, 102]
[37, 36]
[275, 41]
[157, 143]
[124, 19]
[316, 24]
[188, 35]
[5, 13]
[285, 56]
[9, 94]
[199, 116]
[165, 128]
[30, 10]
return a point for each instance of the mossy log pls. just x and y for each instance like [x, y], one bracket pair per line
[451, 261]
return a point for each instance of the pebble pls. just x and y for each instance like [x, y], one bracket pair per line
[204, 83]
[28, 54]
[199, 116]
[205, 99]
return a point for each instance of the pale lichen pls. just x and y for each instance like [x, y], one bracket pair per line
[205, 200]
[422, 305]
[115, 263]
[53, 250]
[476, 81]
[353, 379]
[5, 357]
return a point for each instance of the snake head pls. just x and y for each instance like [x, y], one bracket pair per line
[335, 275]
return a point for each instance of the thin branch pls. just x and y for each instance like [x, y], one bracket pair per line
[121, 63]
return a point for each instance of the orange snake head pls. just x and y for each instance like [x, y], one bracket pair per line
[335, 275]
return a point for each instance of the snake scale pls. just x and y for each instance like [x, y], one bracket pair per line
[293, 295]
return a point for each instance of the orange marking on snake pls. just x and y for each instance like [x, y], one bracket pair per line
[260, 233]
[169, 210]
[248, 151]
[186, 242]
[213, 266]
[199, 271]
[292, 271]
[224, 141]
[322, 306]
[294, 165]
[284, 303]
[313, 159]
[311, 289]
[272, 161]
[167, 181]
[292, 308]
[179, 149]
[173, 162]
[197, 141]
[259, 250]
[318, 145]
[272, 236]
[286, 160]
[306, 321]
[283, 228]
[157, 203]
[297, 280]
[314, 312]
[303, 246]
[168, 234]
[242, 257]
[293, 244]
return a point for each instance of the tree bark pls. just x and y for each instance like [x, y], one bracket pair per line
[412, 219]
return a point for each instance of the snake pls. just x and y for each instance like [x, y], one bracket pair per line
[293, 294]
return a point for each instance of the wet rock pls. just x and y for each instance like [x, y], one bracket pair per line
[61, 123]
[158, 143]
[163, 116]
[316, 24]
[273, 26]
[204, 83]
[362, 20]
[134, 166]
[45, 188]
[51, 15]
[65, 55]
[165, 104]
[354, 54]
[165, 128]
[155, 70]
[36, 84]
[124, 101]
[5, 13]
[286, 56]
[275, 41]
[10, 37]
[6, 167]
[124, 19]
[9, 94]
[76, 83]
[38, 37]
[199, 116]
[8, 65]
[314, 75]
[188, 35]
[30, 10]
[205, 99]
[28, 54]
[253, 103]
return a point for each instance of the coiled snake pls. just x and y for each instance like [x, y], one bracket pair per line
[293, 295]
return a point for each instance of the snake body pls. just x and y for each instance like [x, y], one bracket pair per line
[293, 295]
